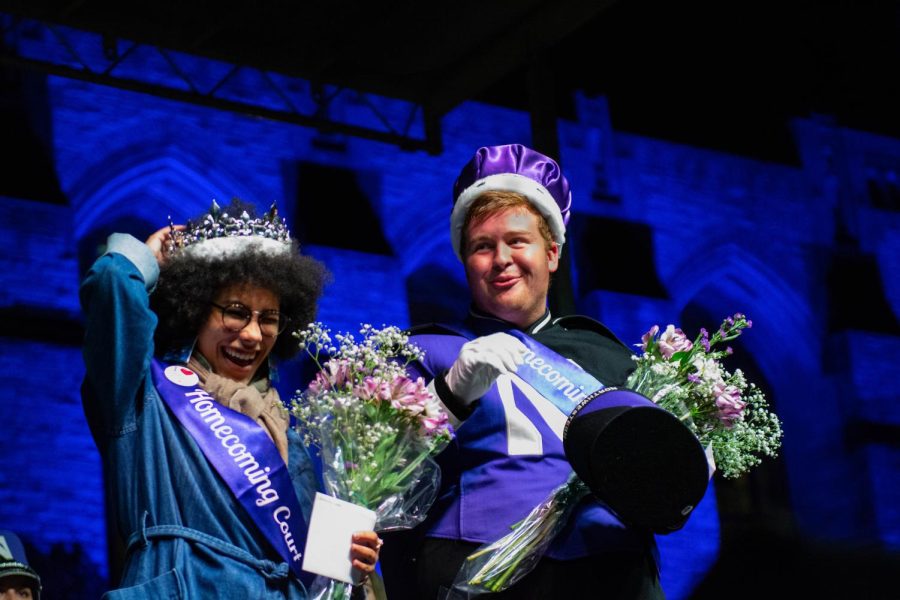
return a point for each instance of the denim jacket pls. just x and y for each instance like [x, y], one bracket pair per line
[185, 534]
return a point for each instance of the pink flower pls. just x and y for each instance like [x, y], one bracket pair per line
[318, 384]
[434, 425]
[729, 403]
[333, 375]
[410, 396]
[673, 340]
[367, 390]
[403, 395]
[647, 337]
[383, 391]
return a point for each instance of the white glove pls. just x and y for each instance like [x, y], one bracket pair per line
[480, 362]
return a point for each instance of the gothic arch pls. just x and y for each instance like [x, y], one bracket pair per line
[731, 279]
[149, 182]
[787, 345]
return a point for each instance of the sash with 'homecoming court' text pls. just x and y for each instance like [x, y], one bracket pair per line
[244, 456]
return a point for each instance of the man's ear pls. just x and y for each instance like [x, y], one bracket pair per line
[553, 257]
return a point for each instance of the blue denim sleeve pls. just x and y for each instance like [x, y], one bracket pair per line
[119, 325]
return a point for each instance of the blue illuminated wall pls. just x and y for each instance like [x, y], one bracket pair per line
[661, 233]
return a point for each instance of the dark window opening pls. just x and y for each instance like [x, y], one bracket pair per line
[334, 209]
[856, 296]
[615, 255]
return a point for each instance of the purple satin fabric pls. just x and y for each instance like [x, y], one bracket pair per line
[521, 160]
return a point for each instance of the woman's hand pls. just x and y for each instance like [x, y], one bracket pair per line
[364, 551]
[157, 242]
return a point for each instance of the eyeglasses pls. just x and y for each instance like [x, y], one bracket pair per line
[237, 316]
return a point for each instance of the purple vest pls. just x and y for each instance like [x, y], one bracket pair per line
[506, 458]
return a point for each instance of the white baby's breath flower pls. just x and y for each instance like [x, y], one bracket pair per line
[707, 368]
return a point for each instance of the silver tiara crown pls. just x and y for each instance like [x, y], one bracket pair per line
[220, 233]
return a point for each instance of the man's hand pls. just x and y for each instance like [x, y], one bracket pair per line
[480, 362]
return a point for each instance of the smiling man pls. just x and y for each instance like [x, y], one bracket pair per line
[508, 225]
[508, 258]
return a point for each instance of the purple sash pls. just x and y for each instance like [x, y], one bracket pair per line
[243, 455]
[556, 378]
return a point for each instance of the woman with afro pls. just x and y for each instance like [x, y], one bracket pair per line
[209, 487]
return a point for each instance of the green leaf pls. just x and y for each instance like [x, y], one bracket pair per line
[681, 356]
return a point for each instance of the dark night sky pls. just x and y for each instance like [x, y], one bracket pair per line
[729, 75]
[714, 73]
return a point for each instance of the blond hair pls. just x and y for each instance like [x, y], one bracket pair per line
[494, 201]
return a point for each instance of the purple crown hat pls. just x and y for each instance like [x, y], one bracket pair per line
[512, 168]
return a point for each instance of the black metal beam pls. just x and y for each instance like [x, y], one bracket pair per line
[105, 75]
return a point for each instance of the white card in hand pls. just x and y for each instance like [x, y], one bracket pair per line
[331, 528]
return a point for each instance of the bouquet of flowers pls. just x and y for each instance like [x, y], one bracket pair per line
[375, 428]
[727, 414]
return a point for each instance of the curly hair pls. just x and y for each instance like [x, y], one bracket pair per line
[189, 283]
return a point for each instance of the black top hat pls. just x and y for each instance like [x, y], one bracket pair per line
[13, 562]
[637, 458]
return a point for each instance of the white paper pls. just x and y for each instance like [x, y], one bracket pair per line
[331, 527]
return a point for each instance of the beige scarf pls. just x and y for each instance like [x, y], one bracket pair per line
[258, 400]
